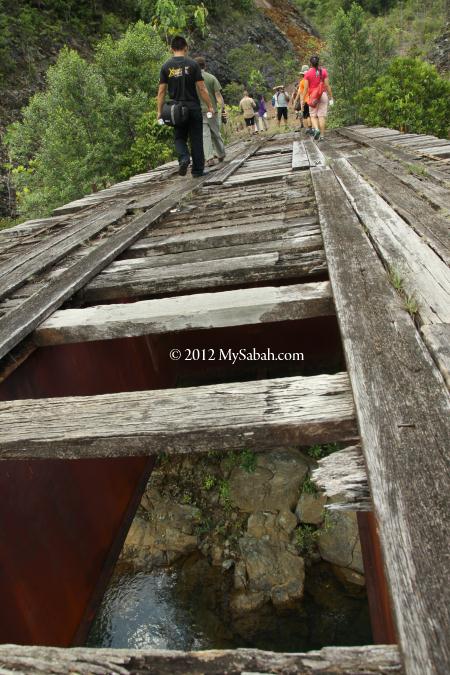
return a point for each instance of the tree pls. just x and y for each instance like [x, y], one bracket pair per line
[358, 52]
[410, 96]
[93, 125]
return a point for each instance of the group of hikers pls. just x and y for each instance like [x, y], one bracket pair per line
[196, 108]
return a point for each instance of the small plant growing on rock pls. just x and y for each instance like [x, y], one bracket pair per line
[320, 451]
[309, 487]
[224, 494]
[249, 461]
[209, 482]
[187, 498]
[305, 539]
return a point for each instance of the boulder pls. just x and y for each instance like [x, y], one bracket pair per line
[271, 526]
[270, 569]
[167, 534]
[310, 508]
[339, 542]
[273, 486]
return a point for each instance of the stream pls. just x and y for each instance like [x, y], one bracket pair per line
[185, 608]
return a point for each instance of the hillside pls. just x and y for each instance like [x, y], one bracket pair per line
[31, 38]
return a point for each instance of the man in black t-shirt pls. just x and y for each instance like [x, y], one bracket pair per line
[171, 80]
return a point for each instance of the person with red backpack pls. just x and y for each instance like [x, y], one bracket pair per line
[318, 90]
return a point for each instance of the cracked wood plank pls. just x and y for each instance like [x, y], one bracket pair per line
[376, 659]
[138, 277]
[343, 477]
[424, 275]
[256, 415]
[205, 310]
[402, 407]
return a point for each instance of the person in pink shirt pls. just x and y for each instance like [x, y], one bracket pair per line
[316, 79]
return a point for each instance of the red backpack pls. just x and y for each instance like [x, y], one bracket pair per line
[316, 93]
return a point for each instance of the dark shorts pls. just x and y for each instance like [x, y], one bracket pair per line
[250, 121]
[282, 112]
[305, 111]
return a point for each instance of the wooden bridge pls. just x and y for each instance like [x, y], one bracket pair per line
[290, 244]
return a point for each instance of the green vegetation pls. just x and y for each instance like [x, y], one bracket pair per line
[411, 305]
[209, 482]
[249, 461]
[357, 53]
[309, 487]
[224, 494]
[320, 451]
[258, 71]
[93, 125]
[396, 279]
[410, 96]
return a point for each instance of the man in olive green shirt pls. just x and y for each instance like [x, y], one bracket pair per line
[213, 144]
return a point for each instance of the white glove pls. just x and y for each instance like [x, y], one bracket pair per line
[160, 121]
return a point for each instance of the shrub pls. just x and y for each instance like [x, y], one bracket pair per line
[410, 96]
[93, 125]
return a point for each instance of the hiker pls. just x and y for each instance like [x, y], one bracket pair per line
[300, 102]
[248, 107]
[318, 90]
[262, 113]
[212, 140]
[280, 101]
[183, 79]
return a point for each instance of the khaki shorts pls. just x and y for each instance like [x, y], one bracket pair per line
[321, 109]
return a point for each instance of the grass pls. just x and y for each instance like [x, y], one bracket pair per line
[416, 169]
[411, 305]
[320, 451]
[396, 279]
[309, 487]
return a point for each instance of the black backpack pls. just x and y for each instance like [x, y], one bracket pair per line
[176, 113]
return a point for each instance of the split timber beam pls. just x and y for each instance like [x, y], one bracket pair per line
[268, 262]
[343, 478]
[246, 306]
[402, 406]
[373, 659]
[223, 417]
[219, 177]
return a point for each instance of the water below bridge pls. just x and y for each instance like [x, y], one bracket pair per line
[185, 608]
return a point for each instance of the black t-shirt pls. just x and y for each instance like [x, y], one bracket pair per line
[172, 75]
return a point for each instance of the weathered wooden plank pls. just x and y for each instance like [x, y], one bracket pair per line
[257, 178]
[223, 236]
[437, 339]
[223, 174]
[283, 411]
[299, 243]
[299, 157]
[435, 230]
[403, 414]
[315, 156]
[379, 659]
[391, 149]
[137, 277]
[22, 268]
[423, 274]
[343, 478]
[204, 310]
[422, 185]
[21, 321]
[441, 153]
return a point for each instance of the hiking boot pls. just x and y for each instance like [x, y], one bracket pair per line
[316, 134]
[183, 167]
